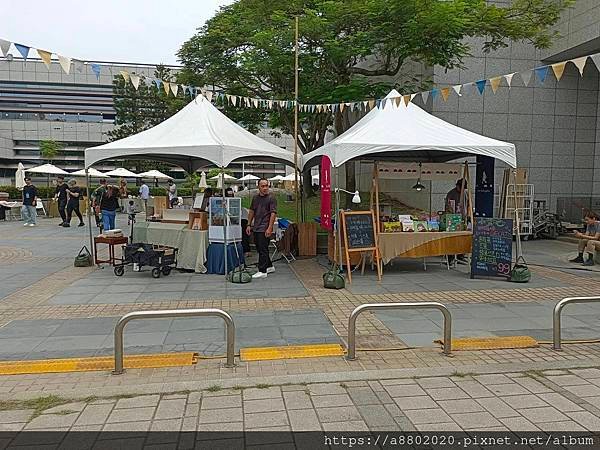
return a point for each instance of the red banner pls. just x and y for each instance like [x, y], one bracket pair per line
[326, 193]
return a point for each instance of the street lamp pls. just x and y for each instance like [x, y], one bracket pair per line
[419, 186]
[355, 194]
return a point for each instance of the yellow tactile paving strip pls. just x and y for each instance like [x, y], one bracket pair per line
[492, 343]
[96, 364]
[290, 352]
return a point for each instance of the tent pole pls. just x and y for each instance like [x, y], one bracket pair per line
[89, 213]
[224, 221]
[338, 223]
[296, 187]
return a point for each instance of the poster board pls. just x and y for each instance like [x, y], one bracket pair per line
[492, 247]
[360, 235]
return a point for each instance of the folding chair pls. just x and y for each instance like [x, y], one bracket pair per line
[40, 205]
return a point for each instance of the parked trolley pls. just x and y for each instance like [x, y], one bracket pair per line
[161, 258]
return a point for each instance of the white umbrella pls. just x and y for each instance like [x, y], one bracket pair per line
[276, 178]
[249, 177]
[155, 174]
[225, 176]
[50, 169]
[290, 177]
[94, 173]
[203, 184]
[121, 172]
[20, 176]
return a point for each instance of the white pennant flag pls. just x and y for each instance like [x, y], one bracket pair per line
[412, 96]
[65, 63]
[79, 66]
[580, 63]
[425, 96]
[596, 58]
[457, 89]
[209, 95]
[135, 80]
[4, 46]
[255, 101]
[174, 88]
[509, 78]
[526, 77]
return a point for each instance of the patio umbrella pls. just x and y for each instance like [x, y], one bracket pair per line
[20, 176]
[203, 184]
[276, 178]
[249, 177]
[290, 177]
[93, 173]
[49, 169]
[225, 176]
[121, 172]
[155, 174]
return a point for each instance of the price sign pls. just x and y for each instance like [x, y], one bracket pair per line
[492, 247]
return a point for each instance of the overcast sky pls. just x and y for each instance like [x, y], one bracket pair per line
[148, 31]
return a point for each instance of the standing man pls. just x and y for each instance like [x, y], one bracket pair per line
[73, 203]
[590, 241]
[29, 201]
[172, 194]
[60, 194]
[96, 199]
[145, 195]
[455, 199]
[261, 218]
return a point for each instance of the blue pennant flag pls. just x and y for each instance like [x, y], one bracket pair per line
[23, 50]
[96, 69]
[157, 82]
[378, 104]
[541, 73]
[434, 93]
[481, 85]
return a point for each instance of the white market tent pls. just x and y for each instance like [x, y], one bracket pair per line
[155, 174]
[121, 172]
[195, 137]
[93, 173]
[50, 169]
[408, 133]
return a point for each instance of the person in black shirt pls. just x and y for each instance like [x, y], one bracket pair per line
[108, 206]
[61, 195]
[73, 193]
[29, 201]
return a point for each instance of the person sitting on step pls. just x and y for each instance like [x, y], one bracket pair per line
[588, 241]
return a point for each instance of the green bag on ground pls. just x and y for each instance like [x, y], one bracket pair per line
[83, 258]
[520, 272]
[240, 276]
[333, 280]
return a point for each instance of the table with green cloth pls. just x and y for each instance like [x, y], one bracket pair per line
[192, 244]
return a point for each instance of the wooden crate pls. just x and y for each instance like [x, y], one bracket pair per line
[307, 239]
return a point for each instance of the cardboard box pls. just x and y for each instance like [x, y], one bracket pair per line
[198, 220]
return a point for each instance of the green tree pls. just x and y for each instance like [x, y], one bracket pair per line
[49, 149]
[349, 50]
[140, 109]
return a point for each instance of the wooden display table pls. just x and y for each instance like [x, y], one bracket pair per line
[111, 242]
[423, 244]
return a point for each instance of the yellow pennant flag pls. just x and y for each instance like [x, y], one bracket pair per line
[445, 93]
[406, 99]
[558, 69]
[580, 63]
[371, 104]
[166, 87]
[46, 57]
[397, 101]
[342, 106]
[125, 75]
[495, 83]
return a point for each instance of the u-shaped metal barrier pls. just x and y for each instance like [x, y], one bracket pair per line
[382, 306]
[119, 328]
[556, 319]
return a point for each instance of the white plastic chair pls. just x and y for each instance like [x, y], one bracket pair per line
[40, 205]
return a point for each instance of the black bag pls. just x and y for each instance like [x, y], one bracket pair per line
[83, 258]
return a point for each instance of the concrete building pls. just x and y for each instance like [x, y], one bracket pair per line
[75, 109]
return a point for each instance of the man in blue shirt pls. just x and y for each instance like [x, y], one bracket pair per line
[29, 202]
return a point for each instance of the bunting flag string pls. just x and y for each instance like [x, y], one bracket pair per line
[239, 101]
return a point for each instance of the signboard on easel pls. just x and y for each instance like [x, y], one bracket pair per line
[359, 235]
[492, 247]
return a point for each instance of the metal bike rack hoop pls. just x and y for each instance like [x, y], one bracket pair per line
[556, 331]
[382, 306]
[119, 327]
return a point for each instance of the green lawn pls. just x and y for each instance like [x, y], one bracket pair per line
[287, 210]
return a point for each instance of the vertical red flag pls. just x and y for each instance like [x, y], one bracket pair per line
[326, 193]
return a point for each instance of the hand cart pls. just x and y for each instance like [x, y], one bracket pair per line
[161, 258]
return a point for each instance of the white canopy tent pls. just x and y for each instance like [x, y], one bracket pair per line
[411, 134]
[195, 137]
[93, 173]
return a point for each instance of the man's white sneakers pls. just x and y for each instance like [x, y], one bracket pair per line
[32, 224]
[270, 269]
[259, 275]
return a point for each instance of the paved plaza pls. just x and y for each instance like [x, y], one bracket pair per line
[400, 380]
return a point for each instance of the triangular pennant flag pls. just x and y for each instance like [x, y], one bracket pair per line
[174, 88]
[46, 56]
[579, 62]
[406, 99]
[397, 101]
[542, 73]
[23, 50]
[166, 87]
[495, 83]
[378, 103]
[79, 66]
[596, 58]
[4, 46]
[558, 69]
[509, 78]
[445, 93]
[526, 77]
[425, 96]
[125, 75]
[480, 85]
[65, 63]
[342, 107]
[371, 104]
[434, 94]
[135, 80]
[412, 96]
[209, 95]
[255, 101]
[457, 89]
[157, 82]
[96, 69]
[184, 89]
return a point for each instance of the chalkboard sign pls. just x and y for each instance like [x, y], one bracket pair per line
[359, 230]
[492, 247]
